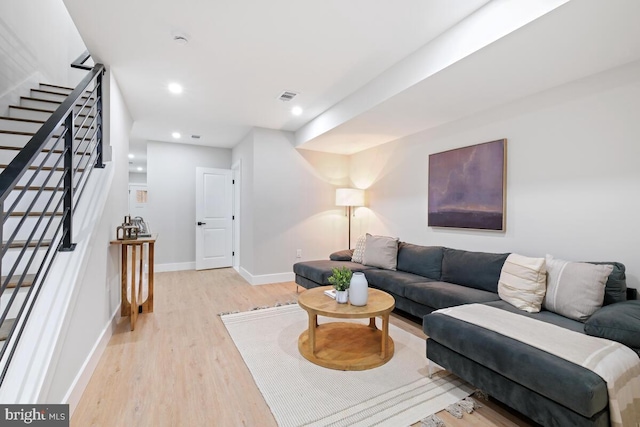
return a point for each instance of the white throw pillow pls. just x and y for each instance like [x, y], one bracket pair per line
[358, 252]
[523, 282]
[575, 289]
[381, 251]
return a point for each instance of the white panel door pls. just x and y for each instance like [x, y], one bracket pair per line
[214, 207]
[138, 201]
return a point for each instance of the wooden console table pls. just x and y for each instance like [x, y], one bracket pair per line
[132, 276]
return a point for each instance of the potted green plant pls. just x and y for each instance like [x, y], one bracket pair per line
[340, 279]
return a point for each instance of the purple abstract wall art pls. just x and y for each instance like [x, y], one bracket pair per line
[467, 187]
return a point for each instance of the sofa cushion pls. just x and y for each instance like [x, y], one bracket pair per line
[616, 287]
[344, 255]
[391, 281]
[618, 322]
[442, 295]
[381, 251]
[319, 271]
[523, 364]
[523, 282]
[575, 289]
[422, 260]
[478, 270]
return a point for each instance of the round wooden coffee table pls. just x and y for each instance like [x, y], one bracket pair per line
[342, 345]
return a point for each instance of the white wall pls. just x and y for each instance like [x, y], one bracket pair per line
[92, 314]
[572, 174]
[137, 178]
[38, 41]
[288, 204]
[243, 153]
[171, 180]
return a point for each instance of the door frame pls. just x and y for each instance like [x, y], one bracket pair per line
[236, 174]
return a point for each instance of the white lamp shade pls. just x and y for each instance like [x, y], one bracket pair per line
[349, 197]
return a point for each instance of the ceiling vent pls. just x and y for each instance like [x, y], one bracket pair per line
[287, 95]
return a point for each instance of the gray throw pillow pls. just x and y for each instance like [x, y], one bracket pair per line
[381, 251]
[344, 255]
[575, 289]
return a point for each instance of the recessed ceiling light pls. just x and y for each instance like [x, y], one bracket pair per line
[139, 168]
[176, 135]
[175, 88]
[131, 156]
[296, 111]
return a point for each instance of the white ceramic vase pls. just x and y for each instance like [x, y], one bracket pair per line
[358, 289]
[342, 297]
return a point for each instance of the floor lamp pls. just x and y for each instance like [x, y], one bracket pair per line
[349, 197]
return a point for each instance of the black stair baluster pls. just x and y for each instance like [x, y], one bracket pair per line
[67, 237]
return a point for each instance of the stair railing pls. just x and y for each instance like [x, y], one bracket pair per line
[49, 174]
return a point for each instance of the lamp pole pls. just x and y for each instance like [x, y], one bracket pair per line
[349, 215]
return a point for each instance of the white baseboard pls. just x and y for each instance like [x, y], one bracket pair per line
[81, 380]
[265, 279]
[178, 266]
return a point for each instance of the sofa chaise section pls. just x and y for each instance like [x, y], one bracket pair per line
[567, 394]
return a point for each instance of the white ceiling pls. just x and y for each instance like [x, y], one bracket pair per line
[349, 60]
[243, 53]
[575, 40]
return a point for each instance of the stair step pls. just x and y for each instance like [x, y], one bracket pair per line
[36, 113]
[46, 101]
[28, 280]
[46, 150]
[39, 110]
[36, 214]
[42, 110]
[35, 188]
[55, 88]
[45, 168]
[16, 132]
[25, 124]
[16, 244]
[51, 101]
[47, 94]
[45, 104]
[31, 134]
[5, 328]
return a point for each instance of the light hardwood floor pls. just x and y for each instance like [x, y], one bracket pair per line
[180, 368]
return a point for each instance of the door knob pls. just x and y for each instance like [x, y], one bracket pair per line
[201, 223]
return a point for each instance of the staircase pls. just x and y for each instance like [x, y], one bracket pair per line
[49, 144]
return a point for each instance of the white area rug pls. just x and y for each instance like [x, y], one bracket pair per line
[300, 393]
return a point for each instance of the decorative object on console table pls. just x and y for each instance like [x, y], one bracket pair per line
[128, 230]
[143, 228]
[341, 279]
[133, 255]
[349, 197]
[358, 289]
[467, 187]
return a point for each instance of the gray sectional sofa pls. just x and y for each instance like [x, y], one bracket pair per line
[544, 387]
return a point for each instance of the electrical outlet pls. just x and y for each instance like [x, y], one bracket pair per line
[298, 253]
